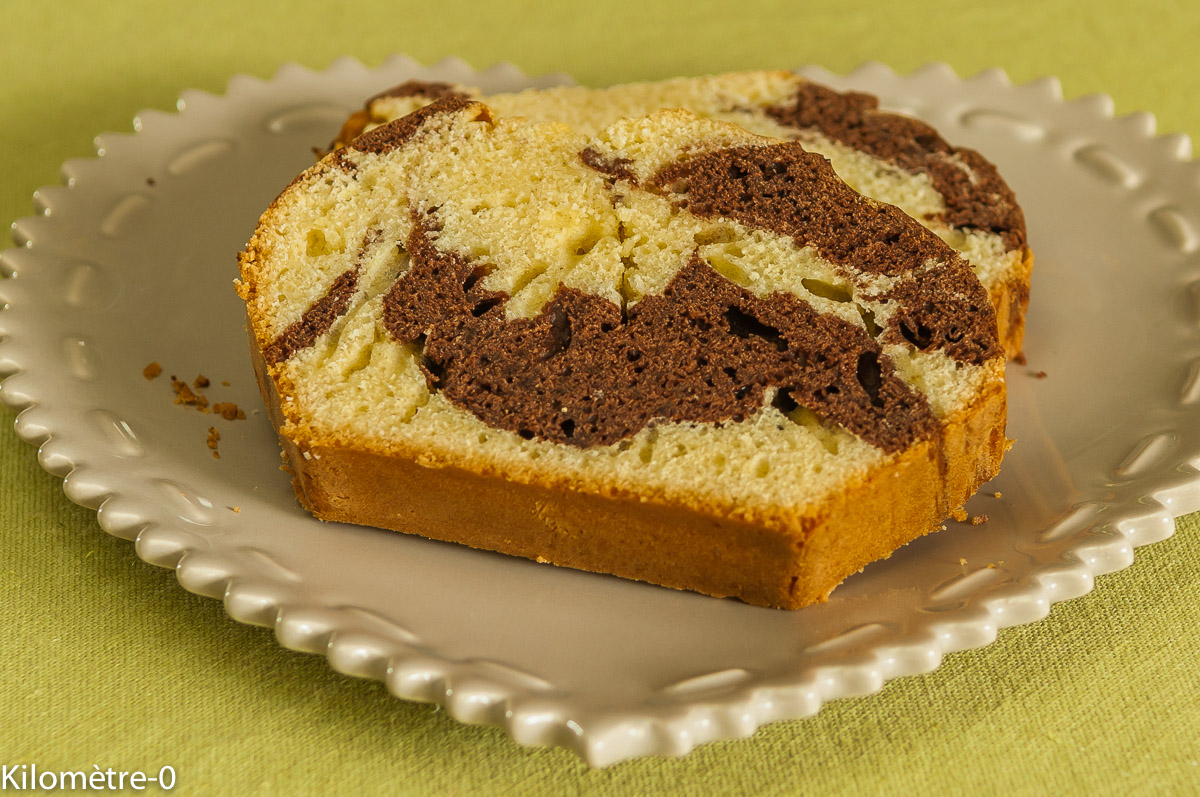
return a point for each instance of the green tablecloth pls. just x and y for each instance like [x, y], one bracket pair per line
[107, 662]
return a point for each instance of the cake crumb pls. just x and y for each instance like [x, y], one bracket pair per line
[997, 494]
[1020, 359]
[979, 520]
[959, 514]
[186, 396]
[543, 561]
[200, 381]
[225, 382]
[1038, 374]
[150, 181]
[152, 371]
[235, 509]
[213, 437]
[229, 411]
[962, 561]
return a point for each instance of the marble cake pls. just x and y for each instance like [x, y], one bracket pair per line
[668, 349]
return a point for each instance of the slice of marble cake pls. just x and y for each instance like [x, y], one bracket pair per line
[670, 350]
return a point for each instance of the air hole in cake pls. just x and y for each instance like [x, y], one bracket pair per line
[920, 337]
[360, 362]
[729, 270]
[487, 304]
[870, 376]
[629, 294]
[560, 331]
[825, 290]
[824, 430]
[316, 243]
[529, 276]
[868, 317]
[525, 434]
[477, 273]
[594, 235]
[720, 234]
[784, 402]
[568, 427]
[745, 325]
[400, 262]
[435, 371]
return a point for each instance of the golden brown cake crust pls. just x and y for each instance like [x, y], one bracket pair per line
[1011, 300]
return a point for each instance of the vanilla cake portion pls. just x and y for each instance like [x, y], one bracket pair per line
[669, 349]
[953, 191]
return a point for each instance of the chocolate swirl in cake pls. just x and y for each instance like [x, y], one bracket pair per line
[705, 351]
[358, 121]
[396, 134]
[786, 190]
[318, 318]
[976, 196]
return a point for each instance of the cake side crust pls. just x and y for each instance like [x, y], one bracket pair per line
[1011, 300]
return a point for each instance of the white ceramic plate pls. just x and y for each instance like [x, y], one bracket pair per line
[132, 262]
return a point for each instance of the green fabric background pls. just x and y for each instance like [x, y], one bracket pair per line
[105, 660]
